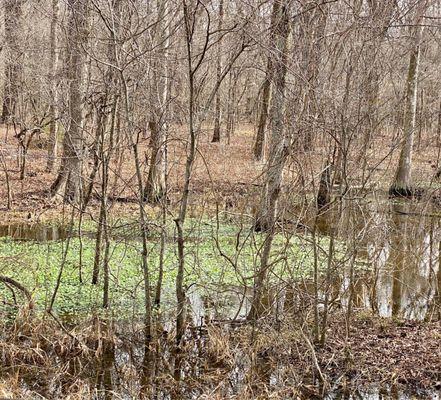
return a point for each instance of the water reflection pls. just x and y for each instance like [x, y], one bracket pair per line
[231, 302]
[398, 256]
[407, 271]
[379, 393]
[104, 380]
[36, 232]
[397, 275]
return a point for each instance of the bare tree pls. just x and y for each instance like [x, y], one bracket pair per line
[192, 11]
[53, 90]
[266, 86]
[401, 186]
[278, 152]
[160, 98]
[217, 112]
[68, 183]
[310, 42]
[379, 18]
[279, 138]
[14, 60]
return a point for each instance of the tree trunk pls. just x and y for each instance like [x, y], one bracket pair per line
[278, 151]
[13, 64]
[311, 39]
[155, 185]
[380, 14]
[266, 87]
[232, 104]
[325, 188]
[128, 115]
[180, 290]
[162, 249]
[53, 126]
[278, 146]
[194, 127]
[68, 181]
[217, 116]
[401, 185]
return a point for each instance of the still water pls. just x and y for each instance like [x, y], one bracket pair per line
[398, 257]
[37, 232]
[396, 274]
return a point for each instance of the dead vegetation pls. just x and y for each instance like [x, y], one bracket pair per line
[224, 176]
[221, 361]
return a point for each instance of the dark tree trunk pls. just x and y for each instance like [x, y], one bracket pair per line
[324, 192]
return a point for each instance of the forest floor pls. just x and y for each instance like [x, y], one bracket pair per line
[222, 173]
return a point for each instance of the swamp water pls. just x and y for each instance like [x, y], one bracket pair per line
[36, 232]
[397, 275]
[398, 259]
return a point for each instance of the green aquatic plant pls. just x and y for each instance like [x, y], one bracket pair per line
[216, 255]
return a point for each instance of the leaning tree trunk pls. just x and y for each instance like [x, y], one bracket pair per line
[401, 185]
[266, 88]
[13, 64]
[217, 117]
[68, 182]
[53, 125]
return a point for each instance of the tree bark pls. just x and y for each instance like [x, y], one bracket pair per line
[325, 188]
[217, 116]
[380, 16]
[69, 180]
[13, 64]
[160, 93]
[231, 107]
[278, 151]
[312, 26]
[278, 145]
[266, 88]
[401, 185]
[53, 95]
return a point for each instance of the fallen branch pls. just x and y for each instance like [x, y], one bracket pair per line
[18, 285]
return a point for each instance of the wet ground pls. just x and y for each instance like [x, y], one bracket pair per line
[397, 276]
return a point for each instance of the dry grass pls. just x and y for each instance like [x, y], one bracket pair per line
[41, 360]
